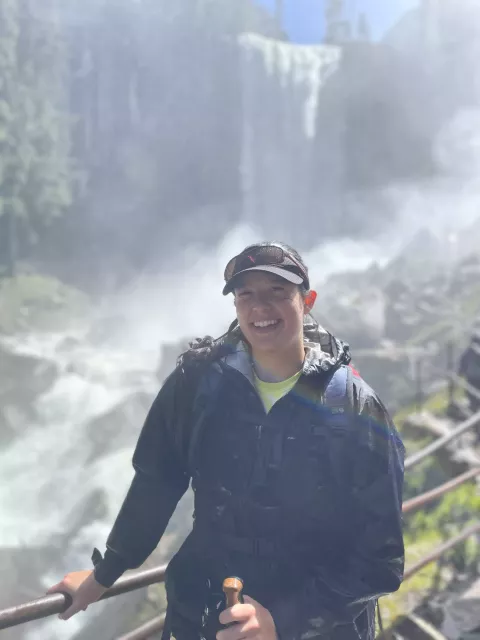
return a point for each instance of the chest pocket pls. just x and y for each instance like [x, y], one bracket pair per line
[226, 439]
[314, 452]
[225, 451]
[331, 449]
[315, 480]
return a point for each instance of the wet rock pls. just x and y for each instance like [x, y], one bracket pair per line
[120, 427]
[462, 615]
[24, 377]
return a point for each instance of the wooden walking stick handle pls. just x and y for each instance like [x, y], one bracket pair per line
[232, 588]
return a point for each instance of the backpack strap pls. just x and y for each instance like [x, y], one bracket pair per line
[205, 398]
[338, 396]
[339, 390]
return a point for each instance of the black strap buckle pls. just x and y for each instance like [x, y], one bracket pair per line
[96, 557]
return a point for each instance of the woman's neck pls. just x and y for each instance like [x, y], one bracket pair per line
[277, 366]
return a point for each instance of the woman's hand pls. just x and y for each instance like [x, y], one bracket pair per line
[83, 589]
[251, 621]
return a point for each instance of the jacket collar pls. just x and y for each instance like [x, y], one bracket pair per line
[322, 352]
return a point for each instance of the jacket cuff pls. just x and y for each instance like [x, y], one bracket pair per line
[109, 568]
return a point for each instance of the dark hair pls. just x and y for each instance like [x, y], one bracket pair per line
[208, 348]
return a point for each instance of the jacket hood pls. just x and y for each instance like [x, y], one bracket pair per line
[323, 351]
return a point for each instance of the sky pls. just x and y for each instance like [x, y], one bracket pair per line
[304, 24]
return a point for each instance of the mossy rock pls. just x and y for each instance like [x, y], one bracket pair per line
[37, 302]
[437, 404]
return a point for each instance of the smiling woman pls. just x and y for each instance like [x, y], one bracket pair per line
[272, 301]
[296, 467]
[270, 314]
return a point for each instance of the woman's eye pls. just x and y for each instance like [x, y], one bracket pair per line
[243, 294]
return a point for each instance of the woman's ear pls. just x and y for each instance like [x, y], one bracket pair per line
[310, 300]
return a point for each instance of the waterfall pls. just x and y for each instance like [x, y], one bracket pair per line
[281, 90]
[67, 466]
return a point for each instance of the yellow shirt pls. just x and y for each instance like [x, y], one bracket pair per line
[270, 392]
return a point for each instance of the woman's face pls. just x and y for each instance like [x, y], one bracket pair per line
[270, 311]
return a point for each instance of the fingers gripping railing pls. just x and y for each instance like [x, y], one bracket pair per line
[59, 602]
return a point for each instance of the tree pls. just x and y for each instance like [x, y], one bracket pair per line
[337, 28]
[231, 17]
[363, 28]
[279, 12]
[8, 99]
[35, 170]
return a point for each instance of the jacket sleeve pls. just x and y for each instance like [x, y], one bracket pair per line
[161, 479]
[375, 561]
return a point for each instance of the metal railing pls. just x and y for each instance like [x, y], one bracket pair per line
[442, 549]
[466, 385]
[57, 603]
[427, 497]
[421, 364]
[146, 630]
[441, 442]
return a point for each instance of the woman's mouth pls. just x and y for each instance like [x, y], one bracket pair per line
[265, 326]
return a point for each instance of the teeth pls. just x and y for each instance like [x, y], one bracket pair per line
[265, 323]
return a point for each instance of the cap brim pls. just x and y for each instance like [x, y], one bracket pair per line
[278, 271]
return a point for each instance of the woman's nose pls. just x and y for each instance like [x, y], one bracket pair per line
[262, 299]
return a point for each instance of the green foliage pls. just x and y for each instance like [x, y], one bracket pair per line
[231, 17]
[453, 512]
[35, 169]
[419, 479]
[363, 28]
[437, 404]
[339, 28]
[38, 302]
[224, 17]
[279, 11]
[414, 590]
[334, 10]
[468, 309]
[426, 529]
[424, 532]
[428, 474]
